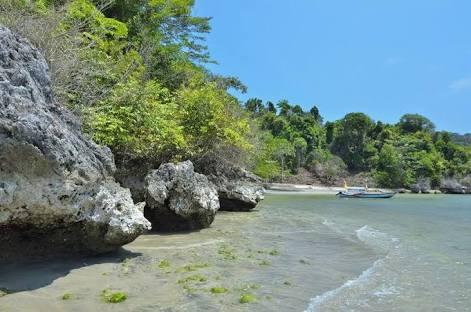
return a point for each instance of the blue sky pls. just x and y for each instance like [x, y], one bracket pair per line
[384, 58]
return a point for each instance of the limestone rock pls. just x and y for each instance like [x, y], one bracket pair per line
[421, 186]
[238, 189]
[56, 185]
[177, 198]
[452, 186]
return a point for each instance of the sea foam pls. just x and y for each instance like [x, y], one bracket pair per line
[364, 283]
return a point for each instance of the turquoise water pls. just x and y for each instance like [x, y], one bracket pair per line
[416, 250]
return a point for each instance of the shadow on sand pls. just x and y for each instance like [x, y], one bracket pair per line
[28, 274]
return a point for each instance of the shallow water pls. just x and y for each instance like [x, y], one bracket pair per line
[296, 252]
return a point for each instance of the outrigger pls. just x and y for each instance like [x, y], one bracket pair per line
[363, 192]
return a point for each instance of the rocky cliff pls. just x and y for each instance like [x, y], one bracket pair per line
[56, 185]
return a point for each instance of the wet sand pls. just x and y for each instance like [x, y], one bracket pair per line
[279, 261]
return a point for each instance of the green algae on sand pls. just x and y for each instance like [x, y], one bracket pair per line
[219, 290]
[110, 296]
[247, 298]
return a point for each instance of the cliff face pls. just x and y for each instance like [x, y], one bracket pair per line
[56, 185]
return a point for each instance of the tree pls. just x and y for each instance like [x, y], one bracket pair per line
[254, 106]
[411, 123]
[271, 107]
[315, 113]
[390, 171]
[329, 127]
[297, 110]
[285, 108]
[211, 118]
[300, 146]
[138, 119]
[283, 149]
[351, 141]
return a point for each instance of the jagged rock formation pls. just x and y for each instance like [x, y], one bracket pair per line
[177, 198]
[421, 186]
[238, 189]
[451, 186]
[56, 189]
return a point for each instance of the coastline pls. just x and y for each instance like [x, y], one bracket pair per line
[304, 188]
[274, 188]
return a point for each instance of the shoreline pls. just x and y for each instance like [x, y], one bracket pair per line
[272, 188]
[304, 188]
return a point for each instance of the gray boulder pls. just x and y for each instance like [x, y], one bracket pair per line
[451, 186]
[56, 187]
[177, 198]
[238, 189]
[421, 186]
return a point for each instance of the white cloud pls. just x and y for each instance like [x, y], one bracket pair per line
[461, 84]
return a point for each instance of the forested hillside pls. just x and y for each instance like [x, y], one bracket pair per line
[463, 139]
[397, 155]
[135, 72]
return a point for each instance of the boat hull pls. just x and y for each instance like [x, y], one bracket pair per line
[366, 195]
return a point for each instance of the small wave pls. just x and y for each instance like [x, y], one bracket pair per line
[386, 291]
[376, 239]
[343, 232]
[374, 281]
[317, 301]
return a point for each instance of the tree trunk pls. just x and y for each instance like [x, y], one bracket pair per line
[282, 168]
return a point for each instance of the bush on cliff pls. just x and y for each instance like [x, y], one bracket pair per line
[136, 74]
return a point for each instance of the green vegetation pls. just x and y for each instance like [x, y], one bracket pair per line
[188, 282]
[192, 267]
[110, 296]
[274, 252]
[164, 264]
[247, 298]
[67, 296]
[264, 262]
[227, 252]
[219, 290]
[193, 278]
[389, 155]
[136, 72]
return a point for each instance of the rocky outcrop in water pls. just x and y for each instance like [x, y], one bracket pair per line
[238, 189]
[56, 189]
[177, 198]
